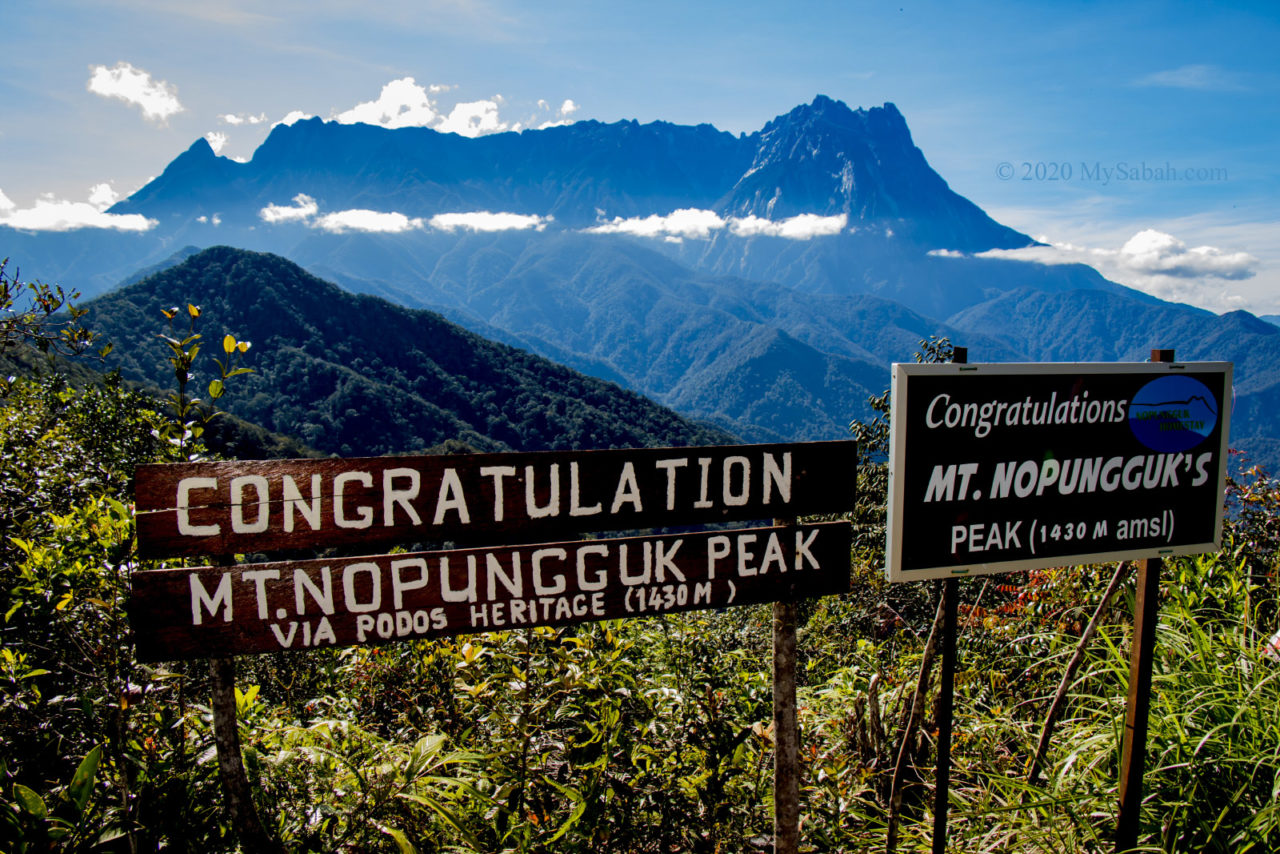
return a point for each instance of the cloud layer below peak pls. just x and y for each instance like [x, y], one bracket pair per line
[699, 224]
[305, 209]
[692, 223]
[50, 214]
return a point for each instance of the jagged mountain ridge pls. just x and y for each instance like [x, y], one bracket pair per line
[821, 158]
[712, 323]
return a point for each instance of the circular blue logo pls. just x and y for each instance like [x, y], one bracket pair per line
[1173, 413]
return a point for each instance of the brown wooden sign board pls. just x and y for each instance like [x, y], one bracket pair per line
[216, 611]
[223, 508]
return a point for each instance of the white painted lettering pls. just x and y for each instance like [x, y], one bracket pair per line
[575, 496]
[185, 487]
[349, 573]
[391, 496]
[498, 473]
[259, 484]
[321, 596]
[294, 502]
[539, 586]
[451, 498]
[628, 490]
[364, 515]
[731, 498]
[200, 599]
[399, 585]
[259, 579]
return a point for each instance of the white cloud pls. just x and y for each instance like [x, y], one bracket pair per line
[799, 227]
[699, 224]
[405, 103]
[1154, 252]
[357, 219]
[157, 99]
[686, 222]
[103, 196]
[49, 214]
[292, 117]
[304, 207]
[217, 141]
[473, 118]
[1156, 263]
[1209, 78]
[402, 103]
[486, 221]
[245, 119]
[567, 109]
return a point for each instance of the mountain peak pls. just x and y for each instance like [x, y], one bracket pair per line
[189, 176]
[825, 158]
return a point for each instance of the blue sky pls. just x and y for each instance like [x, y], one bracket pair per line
[1180, 102]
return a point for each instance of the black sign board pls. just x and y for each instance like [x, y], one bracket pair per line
[1001, 467]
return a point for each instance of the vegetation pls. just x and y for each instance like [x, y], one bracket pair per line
[646, 735]
[356, 375]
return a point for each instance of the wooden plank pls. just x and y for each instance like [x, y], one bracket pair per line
[244, 507]
[254, 608]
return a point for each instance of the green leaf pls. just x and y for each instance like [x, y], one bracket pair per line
[111, 834]
[215, 389]
[82, 781]
[578, 810]
[29, 801]
[443, 812]
[406, 847]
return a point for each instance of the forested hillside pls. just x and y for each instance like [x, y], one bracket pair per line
[355, 375]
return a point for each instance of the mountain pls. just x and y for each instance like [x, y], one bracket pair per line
[762, 282]
[356, 375]
[1091, 326]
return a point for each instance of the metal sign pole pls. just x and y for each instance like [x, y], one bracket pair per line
[1138, 708]
[946, 690]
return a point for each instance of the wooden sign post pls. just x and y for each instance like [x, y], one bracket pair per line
[226, 508]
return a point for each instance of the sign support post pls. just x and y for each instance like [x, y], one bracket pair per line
[1138, 707]
[226, 737]
[786, 731]
[1000, 468]
[946, 690]
[226, 741]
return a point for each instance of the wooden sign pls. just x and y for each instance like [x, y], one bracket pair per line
[255, 608]
[223, 508]
[999, 467]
